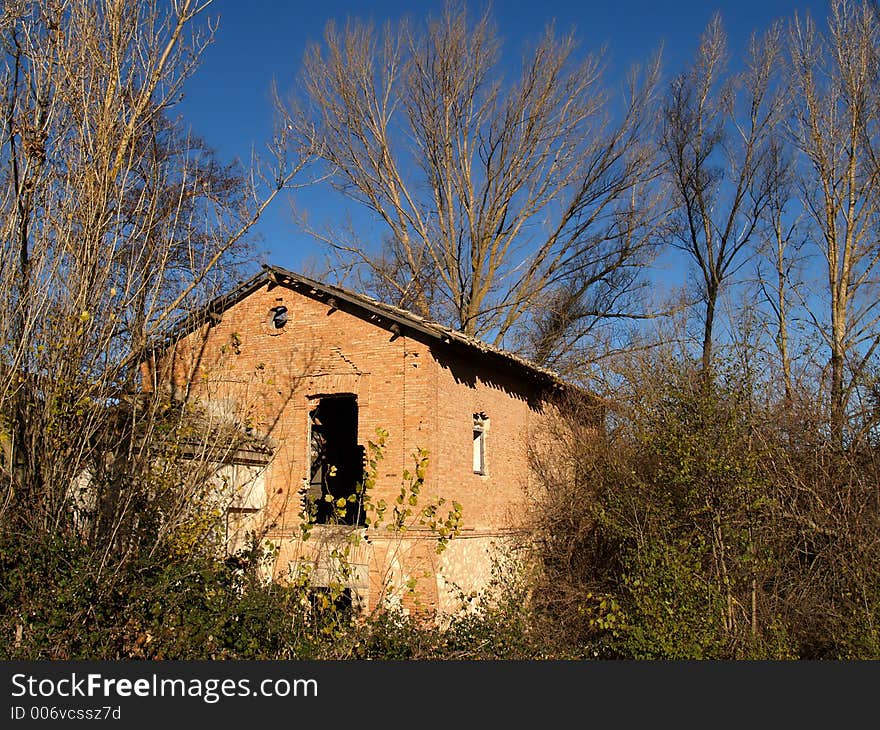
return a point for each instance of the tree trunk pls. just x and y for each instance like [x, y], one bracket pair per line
[837, 396]
[708, 325]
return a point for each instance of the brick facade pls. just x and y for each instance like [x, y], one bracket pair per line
[422, 390]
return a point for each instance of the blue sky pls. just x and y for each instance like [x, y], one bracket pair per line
[228, 100]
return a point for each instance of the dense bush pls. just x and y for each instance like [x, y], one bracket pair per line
[708, 526]
[55, 605]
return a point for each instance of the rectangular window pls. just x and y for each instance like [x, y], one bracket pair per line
[240, 521]
[481, 425]
[336, 461]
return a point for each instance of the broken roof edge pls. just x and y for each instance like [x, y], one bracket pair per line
[276, 275]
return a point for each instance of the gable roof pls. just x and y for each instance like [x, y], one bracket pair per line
[384, 315]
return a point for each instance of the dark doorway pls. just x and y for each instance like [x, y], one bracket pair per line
[336, 460]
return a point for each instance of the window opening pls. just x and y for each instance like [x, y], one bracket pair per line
[239, 527]
[278, 317]
[481, 425]
[336, 463]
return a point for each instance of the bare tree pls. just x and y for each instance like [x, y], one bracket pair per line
[835, 124]
[497, 198]
[781, 250]
[115, 220]
[716, 128]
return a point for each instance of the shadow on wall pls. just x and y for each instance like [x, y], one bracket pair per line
[470, 371]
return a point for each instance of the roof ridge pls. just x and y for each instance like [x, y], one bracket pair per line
[457, 335]
[278, 274]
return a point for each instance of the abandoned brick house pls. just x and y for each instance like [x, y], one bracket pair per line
[318, 369]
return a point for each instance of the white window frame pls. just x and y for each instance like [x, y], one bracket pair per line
[480, 427]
